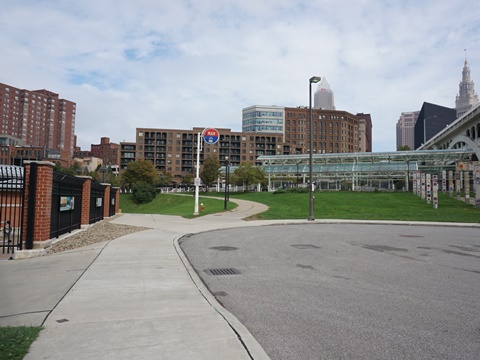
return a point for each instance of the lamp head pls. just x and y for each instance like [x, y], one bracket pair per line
[315, 79]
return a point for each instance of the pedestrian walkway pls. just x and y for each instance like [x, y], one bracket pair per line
[136, 299]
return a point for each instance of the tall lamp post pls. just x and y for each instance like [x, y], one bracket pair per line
[313, 79]
[425, 128]
[226, 184]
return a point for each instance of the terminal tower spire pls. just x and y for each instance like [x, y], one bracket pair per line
[466, 98]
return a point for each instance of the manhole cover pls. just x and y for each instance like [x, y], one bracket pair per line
[304, 246]
[228, 271]
[223, 248]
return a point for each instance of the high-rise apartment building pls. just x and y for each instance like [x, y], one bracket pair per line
[323, 97]
[466, 98]
[263, 119]
[333, 131]
[405, 129]
[38, 117]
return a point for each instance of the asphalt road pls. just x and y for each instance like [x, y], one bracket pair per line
[318, 291]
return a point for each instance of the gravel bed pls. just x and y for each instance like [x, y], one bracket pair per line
[101, 231]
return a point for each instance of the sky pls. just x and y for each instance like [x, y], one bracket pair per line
[197, 63]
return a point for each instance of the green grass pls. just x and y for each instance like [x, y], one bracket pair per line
[362, 206]
[169, 204]
[15, 341]
[328, 205]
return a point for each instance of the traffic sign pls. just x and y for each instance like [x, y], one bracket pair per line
[211, 135]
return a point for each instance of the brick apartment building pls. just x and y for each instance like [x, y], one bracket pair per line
[107, 151]
[39, 118]
[333, 131]
[174, 150]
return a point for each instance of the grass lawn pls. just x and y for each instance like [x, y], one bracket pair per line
[328, 205]
[15, 341]
[169, 204]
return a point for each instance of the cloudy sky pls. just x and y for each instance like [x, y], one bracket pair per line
[186, 63]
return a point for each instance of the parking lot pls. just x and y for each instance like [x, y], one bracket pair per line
[348, 291]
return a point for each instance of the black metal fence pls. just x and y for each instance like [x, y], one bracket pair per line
[66, 204]
[111, 206]
[96, 202]
[12, 185]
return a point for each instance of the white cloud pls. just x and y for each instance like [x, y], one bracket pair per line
[198, 63]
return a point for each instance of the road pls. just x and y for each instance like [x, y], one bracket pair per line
[345, 291]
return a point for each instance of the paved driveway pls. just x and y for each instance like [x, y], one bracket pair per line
[339, 291]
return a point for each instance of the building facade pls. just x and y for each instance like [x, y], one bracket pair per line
[38, 117]
[364, 132]
[263, 119]
[107, 151]
[431, 120]
[323, 97]
[333, 131]
[175, 150]
[406, 128]
[466, 99]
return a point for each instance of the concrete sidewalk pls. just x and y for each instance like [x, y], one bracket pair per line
[135, 298]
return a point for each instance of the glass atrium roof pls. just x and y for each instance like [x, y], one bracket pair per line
[373, 165]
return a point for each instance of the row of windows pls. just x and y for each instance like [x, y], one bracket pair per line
[257, 114]
[320, 116]
[262, 121]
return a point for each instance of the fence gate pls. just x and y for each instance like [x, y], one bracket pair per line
[96, 202]
[111, 207]
[66, 204]
[12, 184]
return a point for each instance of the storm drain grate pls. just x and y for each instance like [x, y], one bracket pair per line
[412, 236]
[305, 246]
[228, 271]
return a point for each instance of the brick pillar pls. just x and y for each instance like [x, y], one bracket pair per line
[86, 192]
[37, 219]
[106, 201]
[117, 200]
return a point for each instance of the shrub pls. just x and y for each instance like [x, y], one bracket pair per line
[143, 192]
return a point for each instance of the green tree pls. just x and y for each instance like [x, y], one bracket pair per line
[138, 171]
[71, 170]
[187, 179]
[210, 171]
[404, 148]
[143, 192]
[165, 178]
[249, 174]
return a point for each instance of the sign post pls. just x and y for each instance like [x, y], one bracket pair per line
[197, 177]
[210, 136]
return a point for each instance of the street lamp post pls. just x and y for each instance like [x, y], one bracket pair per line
[313, 79]
[297, 173]
[425, 128]
[226, 184]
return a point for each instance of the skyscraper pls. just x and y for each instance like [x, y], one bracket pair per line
[323, 98]
[431, 120]
[466, 98]
[405, 129]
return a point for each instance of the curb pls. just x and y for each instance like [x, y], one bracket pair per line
[253, 348]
